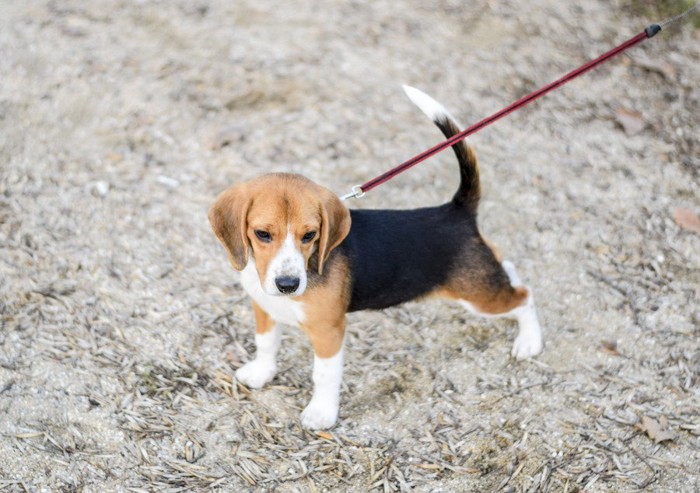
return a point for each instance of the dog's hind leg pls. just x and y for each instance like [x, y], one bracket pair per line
[529, 339]
[263, 367]
[497, 291]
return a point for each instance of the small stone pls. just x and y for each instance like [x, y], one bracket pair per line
[98, 188]
[168, 182]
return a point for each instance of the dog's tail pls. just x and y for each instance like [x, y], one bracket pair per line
[469, 191]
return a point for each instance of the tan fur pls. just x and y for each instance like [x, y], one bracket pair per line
[325, 308]
[228, 219]
[489, 303]
[263, 322]
[486, 288]
[335, 224]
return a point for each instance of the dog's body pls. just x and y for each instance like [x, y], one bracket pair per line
[304, 265]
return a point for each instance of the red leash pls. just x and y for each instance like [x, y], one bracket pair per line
[359, 190]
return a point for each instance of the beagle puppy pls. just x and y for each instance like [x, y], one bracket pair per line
[306, 260]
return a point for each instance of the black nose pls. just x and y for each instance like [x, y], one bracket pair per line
[287, 284]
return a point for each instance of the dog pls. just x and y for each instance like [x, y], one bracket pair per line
[306, 260]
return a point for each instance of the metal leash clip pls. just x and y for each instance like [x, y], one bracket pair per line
[356, 193]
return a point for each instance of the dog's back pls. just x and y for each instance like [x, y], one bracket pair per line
[400, 255]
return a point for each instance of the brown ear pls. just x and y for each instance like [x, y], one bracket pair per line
[228, 218]
[335, 225]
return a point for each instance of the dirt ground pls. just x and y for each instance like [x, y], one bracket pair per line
[121, 322]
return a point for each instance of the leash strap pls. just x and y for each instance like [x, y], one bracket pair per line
[649, 32]
[360, 190]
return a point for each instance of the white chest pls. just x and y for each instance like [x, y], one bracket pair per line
[282, 309]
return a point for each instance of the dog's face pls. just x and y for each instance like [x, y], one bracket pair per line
[279, 221]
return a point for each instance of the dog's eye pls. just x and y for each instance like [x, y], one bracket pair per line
[308, 237]
[263, 236]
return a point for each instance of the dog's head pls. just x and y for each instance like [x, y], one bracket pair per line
[279, 221]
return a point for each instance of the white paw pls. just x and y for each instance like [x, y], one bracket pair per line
[527, 345]
[319, 415]
[256, 373]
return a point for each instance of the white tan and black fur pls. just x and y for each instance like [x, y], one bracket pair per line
[306, 260]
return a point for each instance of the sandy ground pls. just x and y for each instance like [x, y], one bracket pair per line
[121, 322]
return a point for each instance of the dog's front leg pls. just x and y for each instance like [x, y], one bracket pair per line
[322, 410]
[263, 368]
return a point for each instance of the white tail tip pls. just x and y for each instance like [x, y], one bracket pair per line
[426, 104]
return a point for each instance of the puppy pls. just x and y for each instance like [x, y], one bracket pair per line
[306, 260]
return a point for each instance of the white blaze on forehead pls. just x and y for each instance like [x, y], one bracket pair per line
[288, 262]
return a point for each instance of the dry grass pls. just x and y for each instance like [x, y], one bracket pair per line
[121, 324]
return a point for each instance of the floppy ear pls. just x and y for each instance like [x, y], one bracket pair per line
[335, 225]
[228, 218]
